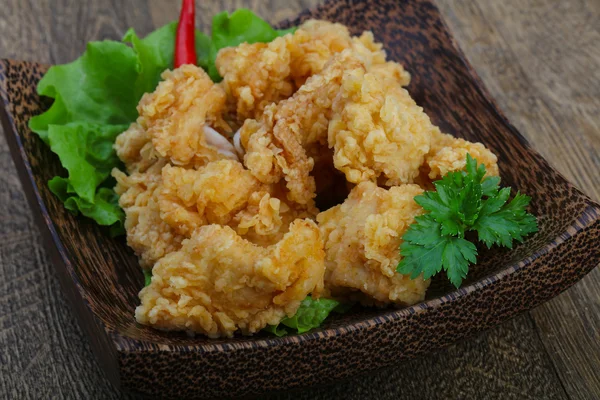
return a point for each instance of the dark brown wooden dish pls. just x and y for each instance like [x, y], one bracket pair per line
[102, 277]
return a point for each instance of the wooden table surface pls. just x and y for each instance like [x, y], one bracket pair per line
[541, 61]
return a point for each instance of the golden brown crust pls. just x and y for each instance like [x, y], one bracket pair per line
[362, 237]
[373, 56]
[147, 234]
[255, 75]
[377, 130]
[277, 145]
[176, 113]
[449, 153]
[134, 147]
[212, 194]
[219, 283]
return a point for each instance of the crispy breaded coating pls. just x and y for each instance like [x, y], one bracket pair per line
[267, 216]
[212, 194]
[135, 149]
[449, 153]
[225, 193]
[362, 239]
[313, 45]
[179, 116]
[255, 75]
[219, 283]
[377, 131]
[276, 146]
[316, 41]
[147, 234]
[165, 204]
[162, 134]
[374, 57]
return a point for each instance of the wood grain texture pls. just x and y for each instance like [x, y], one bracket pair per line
[489, 366]
[541, 64]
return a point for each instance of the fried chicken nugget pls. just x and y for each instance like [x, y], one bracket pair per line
[374, 57]
[219, 283]
[135, 149]
[449, 153]
[267, 216]
[179, 117]
[212, 194]
[377, 130]
[313, 44]
[276, 146]
[147, 234]
[225, 193]
[362, 240]
[317, 41]
[255, 75]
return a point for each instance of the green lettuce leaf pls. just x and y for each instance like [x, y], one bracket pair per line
[104, 210]
[310, 314]
[95, 99]
[85, 151]
[203, 49]
[96, 88]
[147, 277]
[239, 27]
[155, 54]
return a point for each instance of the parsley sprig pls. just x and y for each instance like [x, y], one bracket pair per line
[463, 201]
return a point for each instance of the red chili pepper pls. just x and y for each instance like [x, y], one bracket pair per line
[185, 46]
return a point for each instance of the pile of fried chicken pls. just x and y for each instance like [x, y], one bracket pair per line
[224, 181]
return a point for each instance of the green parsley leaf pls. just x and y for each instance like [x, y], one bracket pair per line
[456, 202]
[458, 254]
[434, 251]
[474, 171]
[502, 222]
[490, 185]
[463, 201]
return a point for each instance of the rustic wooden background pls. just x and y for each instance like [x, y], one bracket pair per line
[541, 61]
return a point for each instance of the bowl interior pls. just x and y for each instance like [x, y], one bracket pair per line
[452, 96]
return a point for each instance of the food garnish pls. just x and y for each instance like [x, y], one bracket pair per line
[93, 104]
[147, 277]
[463, 201]
[310, 314]
[185, 49]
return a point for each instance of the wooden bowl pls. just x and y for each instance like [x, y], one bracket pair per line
[102, 278]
